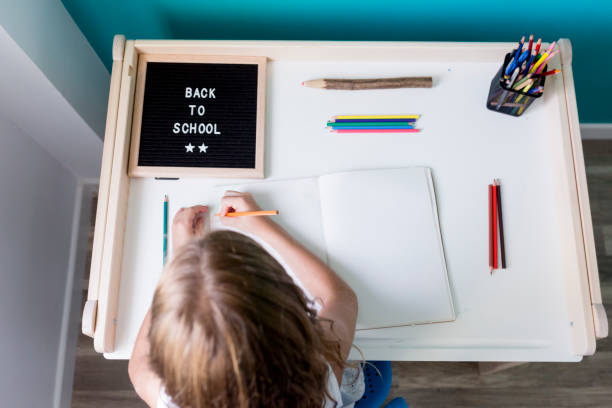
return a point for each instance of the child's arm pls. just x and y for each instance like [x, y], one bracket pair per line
[187, 224]
[146, 383]
[337, 298]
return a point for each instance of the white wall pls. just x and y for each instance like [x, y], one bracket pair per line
[33, 103]
[48, 35]
[53, 96]
[37, 199]
[596, 131]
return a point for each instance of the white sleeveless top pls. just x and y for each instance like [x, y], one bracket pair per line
[353, 384]
[343, 400]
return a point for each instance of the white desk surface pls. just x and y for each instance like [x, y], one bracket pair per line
[523, 313]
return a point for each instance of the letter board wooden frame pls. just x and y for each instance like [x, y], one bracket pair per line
[182, 123]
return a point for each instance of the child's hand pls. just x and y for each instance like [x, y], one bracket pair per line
[188, 223]
[235, 201]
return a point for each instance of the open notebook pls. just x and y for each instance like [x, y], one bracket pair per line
[379, 230]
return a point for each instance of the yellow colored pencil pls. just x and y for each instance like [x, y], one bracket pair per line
[528, 83]
[377, 117]
[537, 64]
[518, 99]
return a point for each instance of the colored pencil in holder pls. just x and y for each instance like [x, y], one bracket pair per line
[513, 102]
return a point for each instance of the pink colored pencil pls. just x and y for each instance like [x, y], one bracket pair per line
[541, 67]
[376, 130]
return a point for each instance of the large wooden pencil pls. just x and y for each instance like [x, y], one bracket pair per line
[373, 83]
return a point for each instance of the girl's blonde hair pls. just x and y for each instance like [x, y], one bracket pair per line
[229, 328]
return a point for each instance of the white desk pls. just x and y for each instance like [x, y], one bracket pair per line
[539, 309]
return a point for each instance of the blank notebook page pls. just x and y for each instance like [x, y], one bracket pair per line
[299, 210]
[383, 237]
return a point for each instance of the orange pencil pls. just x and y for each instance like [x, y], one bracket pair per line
[245, 213]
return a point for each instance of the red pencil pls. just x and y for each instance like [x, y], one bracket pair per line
[376, 130]
[547, 73]
[491, 228]
[530, 43]
[495, 227]
[501, 224]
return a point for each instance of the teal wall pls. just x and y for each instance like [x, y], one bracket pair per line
[45, 31]
[587, 23]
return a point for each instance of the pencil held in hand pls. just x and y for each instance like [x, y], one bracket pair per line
[247, 213]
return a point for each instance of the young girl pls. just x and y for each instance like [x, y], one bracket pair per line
[229, 327]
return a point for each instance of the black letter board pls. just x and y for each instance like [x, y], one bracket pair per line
[198, 116]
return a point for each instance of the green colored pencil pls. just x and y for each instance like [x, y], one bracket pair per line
[165, 228]
[369, 124]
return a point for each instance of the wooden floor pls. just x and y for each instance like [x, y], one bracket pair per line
[103, 383]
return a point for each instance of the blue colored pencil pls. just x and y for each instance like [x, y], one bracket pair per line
[515, 56]
[516, 62]
[528, 65]
[165, 228]
[374, 120]
[369, 124]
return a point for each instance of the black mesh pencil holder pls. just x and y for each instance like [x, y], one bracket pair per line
[506, 100]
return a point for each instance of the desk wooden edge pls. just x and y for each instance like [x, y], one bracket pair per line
[88, 322]
[600, 321]
[116, 212]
